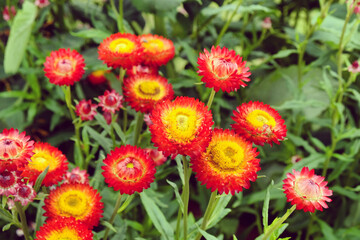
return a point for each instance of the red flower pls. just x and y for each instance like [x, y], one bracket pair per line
[222, 69]
[157, 156]
[259, 123]
[181, 127]
[8, 182]
[86, 110]
[307, 190]
[98, 77]
[6, 14]
[76, 176]
[45, 156]
[128, 169]
[228, 164]
[110, 101]
[143, 91]
[157, 50]
[64, 67]
[79, 201]
[120, 50]
[25, 193]
[59, 228]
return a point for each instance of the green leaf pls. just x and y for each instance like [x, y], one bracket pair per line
[135, 225]
[16, 94]
[157, 217]
[40, 179]
[39, 216]
[156, 5]
[346, 193]
[7, 226]
[326, 230]
[19, 36]
[234, 237]
[190, 53]
[119, 132]
[265, 211]
[94, 34]
[206, 235]
[108, 225]
[177, 194]
[103, 141]
[220, 210]
[180, 168]
[126, 203]
[5, 215]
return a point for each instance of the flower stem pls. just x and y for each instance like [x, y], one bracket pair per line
[138, 127]
[211, 98]
[121, 17]
[209, 211]
[112, 134]
[112, 218]
[186, 193]
[24, 225]
[272, 228]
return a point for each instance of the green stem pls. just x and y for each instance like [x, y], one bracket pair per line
[186, 193]
[112, 218]
[138, 127]
[112, 134]
[272, 228]
[177, 232]
[24, 225]
[211, 98]
[209, 210]
[309, 227]
[121, 17]
[159, 24]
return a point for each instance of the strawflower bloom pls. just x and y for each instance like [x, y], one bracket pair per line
[139, 69]
[156, 155]
[86, 110]
[354, 67]
[8, 182]
[15, 148]
[64, 67]
[222, 69]
[228, 164]
[147, 119]
[128, 169]
[143, 91]
[307, 190]
[107, 117]
[120, 50]
[111, 101]
[79, 201]
[181, 127]
[259, 123]
[266, 23]
[59, 229]
[98, 77]
[42, 3]
[157, 50]
[45, 156]
[76, 176]
[6, 14]
[25, 193]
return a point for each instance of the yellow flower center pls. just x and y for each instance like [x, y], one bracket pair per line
[122, 45]
[153, 45]
[41, 160]
[259, 118]
[149, 90]
[98, 73]
[308, 189]
[64, 234]
[130, 165]
[182, 124]
[227, 155]
[73, 203]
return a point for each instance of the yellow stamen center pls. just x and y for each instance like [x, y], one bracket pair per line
[149, 90]
[98, 73]
[122, 45]
[227, 155]
[182, 124]
[64, 234]
[130, 165]
[259, 118]
[41, 160]
[73, 203]
[153, 45]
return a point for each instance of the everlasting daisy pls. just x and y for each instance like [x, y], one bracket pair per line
[128, 169]
[228, 164]
[79, 201]
[142, 69]
[59, 229]
[64, 67]
[15, 148]
[143, 91]
[181, 127]
[354, 67]
[98, 77]
[6, 14]
[120, 50]
[77, 176]
[222, 69]
[307, 190]
[8, 182]
[45, 156]
[111, 101]
[157, 156]
[157, 50]
[25, 193]
[259, 123]
[86, 110]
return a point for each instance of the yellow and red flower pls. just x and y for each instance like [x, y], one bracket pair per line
[306, 190]
[64, 67]
[59, 229]
[157, 50]
[140, 69]
[98, 77]
[45, 156]
[259, 123]
[143, 91]
[15, 148]
[79, 201]
[111, 101]
[86, 110]
[128, 169]
[181, 127]
[228, 164]
[222, 69]
[120, 50]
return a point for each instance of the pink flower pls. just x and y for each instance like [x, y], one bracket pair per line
[354, 67]
[25, 194]
[110, 101]
[86, 110]
[6, 14]
[8, 182]
[42, 3]
[77, 176]
[266, 23]
[147, 119]
[156, 155]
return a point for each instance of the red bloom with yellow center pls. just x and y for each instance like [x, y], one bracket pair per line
[79, 201]
[222, 69]
[259, 123]
[64, 67]
[157, 50]
[59, 229]
[143, 91]
[45, 156]
[307, 190]
[86, 110]
[111, 101]
[98, 76]
[15, 148]
[128, 169]
[228, 164]
[181, 127]
[120, 50]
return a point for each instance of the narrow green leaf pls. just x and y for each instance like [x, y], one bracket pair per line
[177, 194]
[180, 168]
[7, 227]
[40, 179]
[234, 237]
[16, 94]
[135, 225]
[39, 216]
[206, 235]
[220, 210]
[19, 36]
[94, 34]
[119, 132]
[5, 215]
[103, 141]
[126, 203]
[326, 230]
[346, 193]
[108, 225]
[265, 211]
